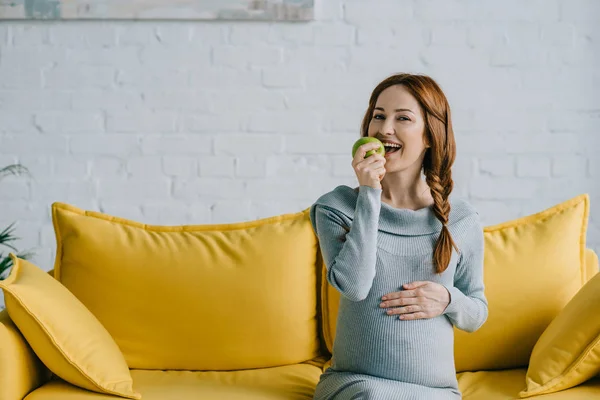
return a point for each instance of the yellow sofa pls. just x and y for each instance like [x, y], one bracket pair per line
[242, 311]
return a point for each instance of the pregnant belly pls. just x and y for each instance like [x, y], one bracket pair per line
[419, 352]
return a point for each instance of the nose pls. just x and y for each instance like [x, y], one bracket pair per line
[388, 127]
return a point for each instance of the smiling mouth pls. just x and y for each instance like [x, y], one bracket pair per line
[389, 148]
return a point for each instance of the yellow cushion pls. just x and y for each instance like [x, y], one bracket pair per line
[591, 264]
[195, 297]
[568, 352]
[505, 385]
[525, 259]
[63, 333]
[20, 369]
[292, 382]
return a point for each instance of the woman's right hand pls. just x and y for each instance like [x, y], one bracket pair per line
[369, 171]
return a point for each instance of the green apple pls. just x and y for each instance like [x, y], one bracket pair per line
[364, 140]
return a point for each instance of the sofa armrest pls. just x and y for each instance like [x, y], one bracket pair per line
[591, 264]
[20, 369]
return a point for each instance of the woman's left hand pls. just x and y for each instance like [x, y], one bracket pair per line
[419, 300]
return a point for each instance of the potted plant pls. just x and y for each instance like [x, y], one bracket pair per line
[7, 235]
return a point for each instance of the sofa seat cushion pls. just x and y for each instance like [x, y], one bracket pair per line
[506, 385]
[287, 382]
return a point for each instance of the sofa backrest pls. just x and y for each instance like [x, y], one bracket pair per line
[203, 297]
[533, 266]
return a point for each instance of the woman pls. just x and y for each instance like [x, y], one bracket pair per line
[388, 248]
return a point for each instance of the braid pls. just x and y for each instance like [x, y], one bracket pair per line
[441, 187]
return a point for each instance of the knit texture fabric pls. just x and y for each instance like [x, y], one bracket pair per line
[371, 249]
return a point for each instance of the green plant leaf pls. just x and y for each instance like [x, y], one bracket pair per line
[7, 235]
[14, 169]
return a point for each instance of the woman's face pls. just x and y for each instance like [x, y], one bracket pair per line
[398, 119]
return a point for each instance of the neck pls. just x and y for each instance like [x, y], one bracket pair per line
[406, 189]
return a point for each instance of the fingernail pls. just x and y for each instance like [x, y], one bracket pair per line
[384, 298]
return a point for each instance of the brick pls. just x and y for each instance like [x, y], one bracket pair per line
[21, 211]
[5, 34]
[360, 12]
[277, 78]
[110, 100]
[30, 35]
[40, 168]
[200, 213]
[136, 35]
[501, 188]
[533, 167]
[69, 122]
[131, 212]
[342, 166]
[573, 166]
[176, 144]
[332, 10]
[517, 10]
[184, 58]
[580, 10]
[117, 57]
[494, 212]
[267, 209]
[33, 144]
[280, 189]
[558, 190]
[216, 167]
[34, 100]
[108, 167]
[209, 34]
[180, 166]
[324, 59]
[174, 35]
[105, 145]
[11, 122]
[319, 144]
[29, 78]
[290, 166]
[557, 34]
[135, 191]
[243, 145]
[246, 33]
[284, 122]
[210, 124]
[293, 34]
[449, 34]
[407, 34]
[248, 167]
[208, 189]
[240, 57]
[220, 78]
[170, 213]
[145, 167]
[142, 122]
[574, 121]
[69, 36]
[90, 77]
[247, 101]
[15, 190]
[71, 168]
[177, 100]
[230, 211]
[155, 77]
[341, 99]
[513, 56]
[593, 167]
[335, 35]
[443, 10]
[98, 35]
[68, 192]
[503, 166]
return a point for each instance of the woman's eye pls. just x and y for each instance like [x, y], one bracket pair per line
[402, 118]
[378, 116]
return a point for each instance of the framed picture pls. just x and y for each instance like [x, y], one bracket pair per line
[270, 10]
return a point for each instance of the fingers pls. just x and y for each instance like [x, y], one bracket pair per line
[415, 284]
[404, 301]
[417, 315]
[361, 152]
[406, 310]
[374, 161]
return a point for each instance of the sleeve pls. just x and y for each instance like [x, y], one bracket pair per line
[350, 256]
[468, 307]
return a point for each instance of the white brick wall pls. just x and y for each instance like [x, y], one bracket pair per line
[200, 122]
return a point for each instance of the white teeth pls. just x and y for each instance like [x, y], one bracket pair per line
[392, 145]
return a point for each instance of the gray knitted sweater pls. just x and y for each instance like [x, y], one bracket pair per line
[370, 249]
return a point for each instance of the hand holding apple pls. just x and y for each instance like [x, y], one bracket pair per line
[368, 161]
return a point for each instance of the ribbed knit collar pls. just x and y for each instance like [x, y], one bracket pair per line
[399, 221]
